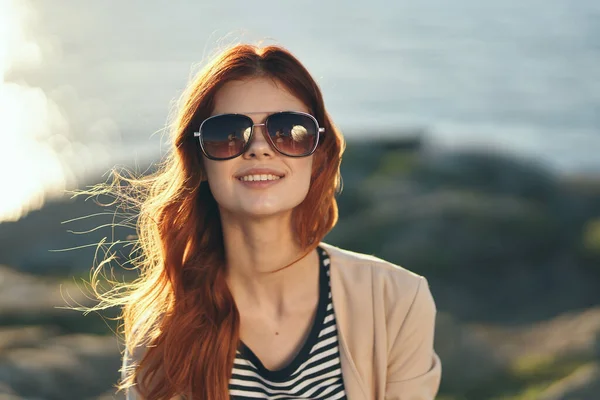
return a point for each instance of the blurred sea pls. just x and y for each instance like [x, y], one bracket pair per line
[520, 76]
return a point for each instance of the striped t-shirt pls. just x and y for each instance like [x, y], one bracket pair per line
[315, 373]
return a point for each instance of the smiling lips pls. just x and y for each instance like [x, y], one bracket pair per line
[260, 175]
[263, 177]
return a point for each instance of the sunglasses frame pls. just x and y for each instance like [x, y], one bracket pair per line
[319, 131]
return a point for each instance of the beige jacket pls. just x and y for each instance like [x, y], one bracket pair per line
[385, 318]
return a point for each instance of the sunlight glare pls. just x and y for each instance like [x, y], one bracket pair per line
[29, 168]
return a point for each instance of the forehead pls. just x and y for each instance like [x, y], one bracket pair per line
[255, 95]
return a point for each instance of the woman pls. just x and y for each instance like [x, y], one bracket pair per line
[238, 297]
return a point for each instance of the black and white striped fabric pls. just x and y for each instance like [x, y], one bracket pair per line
[315, 373]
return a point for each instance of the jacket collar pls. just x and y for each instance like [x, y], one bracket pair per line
[343, 285]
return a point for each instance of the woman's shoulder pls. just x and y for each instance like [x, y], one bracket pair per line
[369, 268]
[372, 289]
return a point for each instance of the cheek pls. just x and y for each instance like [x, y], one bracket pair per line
[311, 164]
[305, 167]
[217, 176]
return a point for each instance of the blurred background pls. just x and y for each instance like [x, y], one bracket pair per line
[473, 158]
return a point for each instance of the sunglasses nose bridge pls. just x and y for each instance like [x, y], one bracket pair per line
[263, 130]
[263, 134]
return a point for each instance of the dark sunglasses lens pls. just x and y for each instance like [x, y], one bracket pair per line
[225, 136]
[292, 134]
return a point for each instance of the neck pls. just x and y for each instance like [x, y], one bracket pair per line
[255, 252]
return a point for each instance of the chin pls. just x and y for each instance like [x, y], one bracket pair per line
[266, 213]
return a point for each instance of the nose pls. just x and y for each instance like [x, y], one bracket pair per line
[259, 145]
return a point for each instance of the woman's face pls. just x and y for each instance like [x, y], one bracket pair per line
[257, 98]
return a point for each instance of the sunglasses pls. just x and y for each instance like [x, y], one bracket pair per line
[291, 133]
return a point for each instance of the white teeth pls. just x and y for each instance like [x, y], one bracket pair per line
[263, 177]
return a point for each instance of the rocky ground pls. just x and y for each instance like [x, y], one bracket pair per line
[549, 360]
[42, 354]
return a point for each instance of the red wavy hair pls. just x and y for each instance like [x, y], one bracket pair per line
[180, 308]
